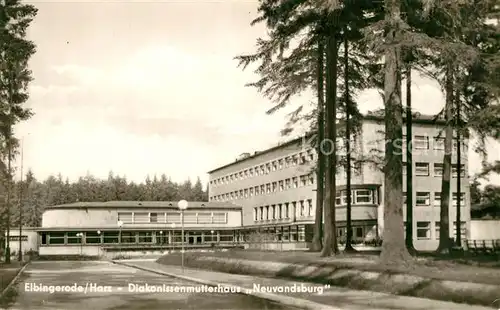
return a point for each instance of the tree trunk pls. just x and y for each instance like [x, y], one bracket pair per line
[459, 176]
[348, 240]
[445, 243]
[330, 243]
[409, 165]
[9, 189]
[320, 169]
[394, 250]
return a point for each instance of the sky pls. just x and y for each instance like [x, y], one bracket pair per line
[152, 87]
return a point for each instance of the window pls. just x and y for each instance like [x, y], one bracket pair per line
[293, 233]
[128, 237]
[423, 198]
[280, 164]
[309, 207]
[311, 179]
[241, 194]
[271, 212]
[438, 143]
[295, 160]
[341, 198]
[437, 229]
[257, 190]
[421, 142]
[423, 230]
[92, 237]
[295, 182]
[279, 211]
[288, 161]
[153, 217]
[219, 218]
[275, 187]
[437, 199]
[173, 217]
[125, 217]
[422, 169]
[303, 158]
[286, 233]
[75, 237]
[302, 233]
[302, 208]
[262, 170]
[288, 184]
[463, 230]
[261, 217]
[204, 218]
[268, 188]
[246, 193]
[251, 192]
[281, 185]
[274, 166]
[250, 172]
[287, 211]
[303, 180]
[141, 217]
[462, 199]
[455, 170]
[190, 217]
[145, 237]
[111, 236]
[310, 153]
[262, 189]
[359, 232]
[268, 168]
[245, 174]
[363, 196]
[338, 198]
[438, 170]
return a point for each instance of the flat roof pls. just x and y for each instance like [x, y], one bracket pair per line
[373, 116]
[146, 204]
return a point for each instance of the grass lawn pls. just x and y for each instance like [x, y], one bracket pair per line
[427, 267]
[8, 273]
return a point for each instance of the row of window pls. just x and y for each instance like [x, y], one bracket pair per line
[357, 233]
[424, 230]
[422, 143]
[131, 237]
[358, 196]
[264, 234]
[419, 143]
[423, 169]
[266, 168]
[279, 233]
[424, 199]
[283, 211]
[173, 217]
[279, 186]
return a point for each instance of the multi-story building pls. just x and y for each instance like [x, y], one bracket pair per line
[276, 187]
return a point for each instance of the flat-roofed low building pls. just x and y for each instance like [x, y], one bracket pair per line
[93, 228]
[276, 187]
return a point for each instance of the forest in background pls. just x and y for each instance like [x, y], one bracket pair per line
[34, 194]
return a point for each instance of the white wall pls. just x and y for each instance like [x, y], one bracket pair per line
[485, 230]
[30, 244]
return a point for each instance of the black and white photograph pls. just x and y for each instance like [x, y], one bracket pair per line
[250, 154]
